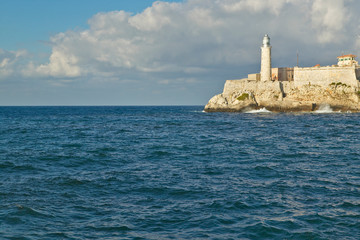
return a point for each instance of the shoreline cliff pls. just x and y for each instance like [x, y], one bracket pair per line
[245, 95]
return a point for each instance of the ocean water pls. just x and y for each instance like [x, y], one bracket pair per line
[177, 173]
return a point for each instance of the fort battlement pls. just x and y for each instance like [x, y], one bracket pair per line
[324, 76]
[246, 85]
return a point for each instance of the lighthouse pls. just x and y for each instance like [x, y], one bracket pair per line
[265, 59]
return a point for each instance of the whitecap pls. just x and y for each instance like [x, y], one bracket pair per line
[324, 108]
[261, 110]
[198, 111]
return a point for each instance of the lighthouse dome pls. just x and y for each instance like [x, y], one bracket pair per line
[266, 41]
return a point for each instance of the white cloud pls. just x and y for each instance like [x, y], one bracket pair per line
[62, 64]
[194, 37]
[254, 6]
[156, 17]
[329, 18]
[167, 37]
[10, 62]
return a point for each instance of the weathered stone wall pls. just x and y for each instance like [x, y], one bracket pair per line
[357, 73]
[245, 85]
[282, 74]
[289, 74]
[324, 76]
[254, 76]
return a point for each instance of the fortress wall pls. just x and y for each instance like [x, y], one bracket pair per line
[324, 76]
[254, 76]
[235, 86]
[282, 74]
[245, 85]
[357, 73]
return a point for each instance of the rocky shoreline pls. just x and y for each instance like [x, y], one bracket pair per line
[244, 95]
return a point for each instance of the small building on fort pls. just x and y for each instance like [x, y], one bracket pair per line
[347, 60]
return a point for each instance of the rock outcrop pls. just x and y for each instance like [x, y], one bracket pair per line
[244, 95]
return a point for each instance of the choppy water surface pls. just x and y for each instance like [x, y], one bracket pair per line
[177, 173]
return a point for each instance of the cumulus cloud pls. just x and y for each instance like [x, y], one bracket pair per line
[10, 62]
[62, 64]
[329, 18]
[166, 37]
[154, 18]
[194, 37]
[273, 6]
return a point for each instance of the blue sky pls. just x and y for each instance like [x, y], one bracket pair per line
[119, 52]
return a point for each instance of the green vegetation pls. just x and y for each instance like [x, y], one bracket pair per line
[338, 84]
[243, 97]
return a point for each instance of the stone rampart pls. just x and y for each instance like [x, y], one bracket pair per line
[245, 85]
[357, 73]
[254, 76]
[324, 76]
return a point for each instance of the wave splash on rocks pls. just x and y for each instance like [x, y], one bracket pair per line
[261, 110]
[325, 108]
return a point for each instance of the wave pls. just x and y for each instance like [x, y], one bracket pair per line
[324, 108]
[261, 110]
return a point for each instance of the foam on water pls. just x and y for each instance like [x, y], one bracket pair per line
[261, 110]
[325, 108]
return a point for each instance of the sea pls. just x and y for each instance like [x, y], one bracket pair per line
[176, 172]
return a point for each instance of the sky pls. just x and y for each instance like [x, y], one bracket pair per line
[145, 52]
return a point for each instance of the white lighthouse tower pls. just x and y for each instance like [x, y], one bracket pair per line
[265, 73]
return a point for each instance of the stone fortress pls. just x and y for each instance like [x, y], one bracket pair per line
[292, 89]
